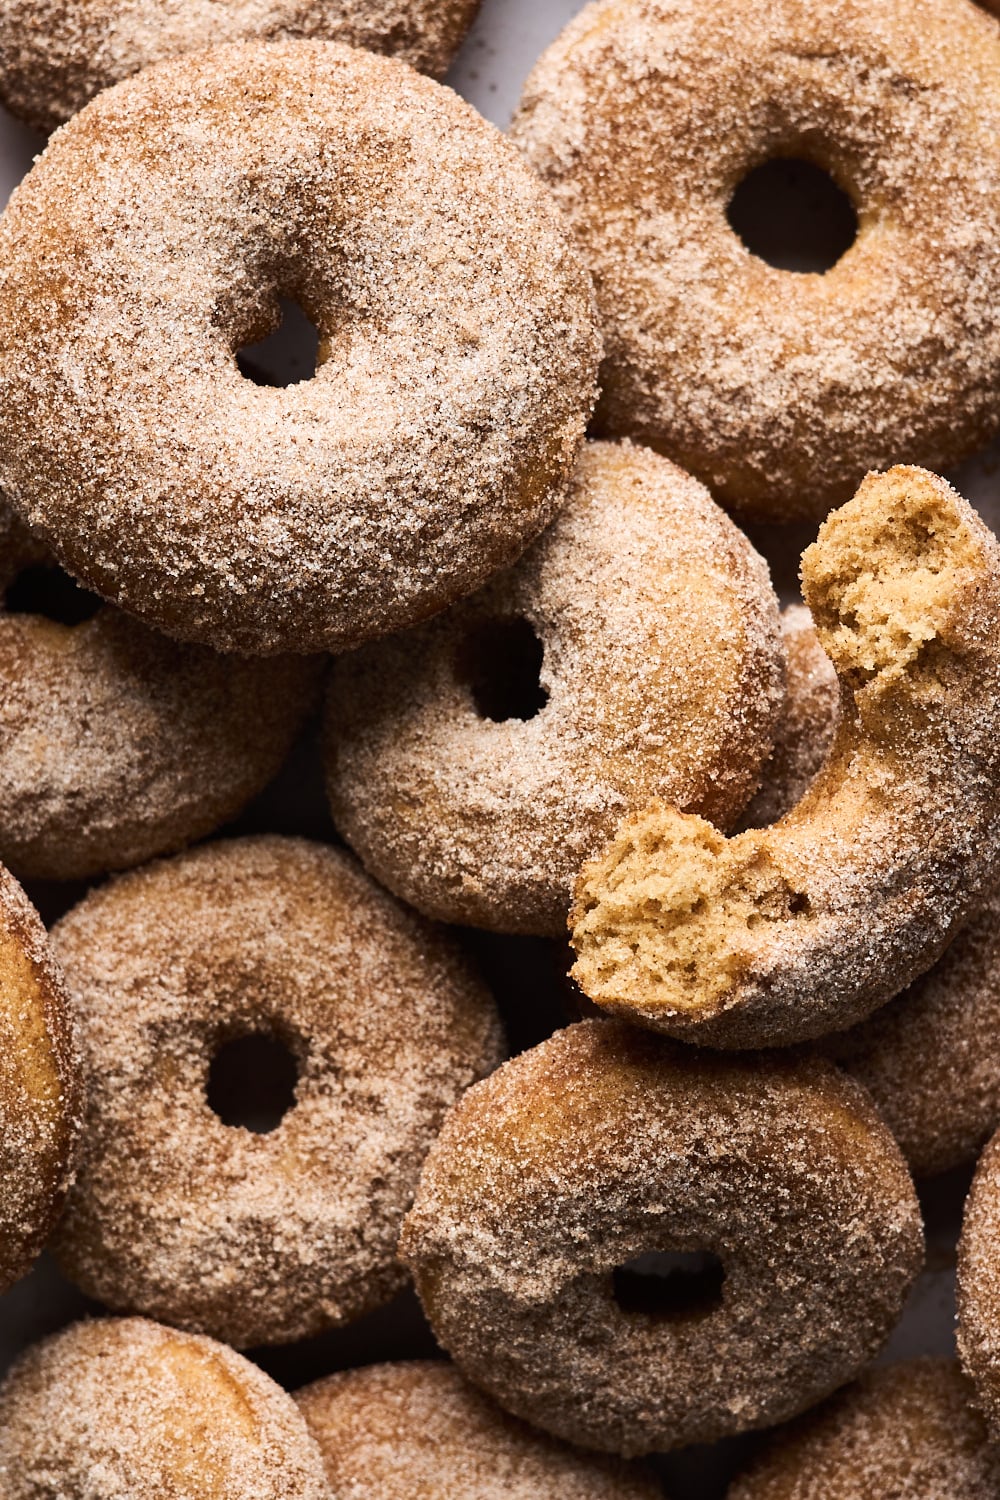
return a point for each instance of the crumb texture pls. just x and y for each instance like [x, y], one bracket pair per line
[908, 1432]
[399, 1430]
[772, 386]
[258, 1238]
[152, 241]
[660, 673]
[124, 1409]
[785, 933]
[605, 1144]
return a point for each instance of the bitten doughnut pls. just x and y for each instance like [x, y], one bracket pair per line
[783, 933]
[55, 55]
[806, 727]
[39, 1085]
[924, 1058]
[117, 744]
[258, 1238]
[908, 1432]
[554, 1182]
[125, 1407]
[456, 361]
[418, 1428]
[979, 1285]
[634, 650]
[780, 389]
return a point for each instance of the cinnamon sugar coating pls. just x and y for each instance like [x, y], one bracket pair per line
[55, 55]
[458, 349]
[784, 933]
[908, 1432]
[117, 744]
[418, 1428]
[258, 1238]
[605, 1144]
[122, 1407]
[780, 389]
[661, 673]
[39, 1085]
[979, 1285]
[806, 727]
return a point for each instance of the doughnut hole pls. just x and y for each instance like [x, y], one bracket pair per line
[789, 212]
[500, 662]
[46, 590]
[288, 354]
[252, 1080]
[669, 1286]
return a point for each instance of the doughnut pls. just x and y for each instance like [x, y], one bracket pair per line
[778, 389]
[258, 1238]
[117, 744]
[55, 55]
[124, 1407]
[784, 933]
[554, 1181]
[922, 1057]
[806, 727]
[657, 670]
[979, 1285]
[908, 1432]
[457, 357]
[39, 1085]
[417, 1428]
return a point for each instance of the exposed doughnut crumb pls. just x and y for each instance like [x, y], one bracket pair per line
[258, 1238]
[605, 1144]
[776, 388]
[457, 352]
[124, 1409]
[660, 673]
[418, 1428]
[785, 933]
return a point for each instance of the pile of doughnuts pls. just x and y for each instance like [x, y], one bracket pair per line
[504, 971]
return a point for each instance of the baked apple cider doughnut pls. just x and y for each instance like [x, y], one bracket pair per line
[39, 1085]
[633, 651]
[556, 1182]
[258, 1237]
[117, 744]
[121, 1407]
[417, 1428]
[780, 389]
[55, 55]
[979, 1285]
[457, 347]
[783, 933]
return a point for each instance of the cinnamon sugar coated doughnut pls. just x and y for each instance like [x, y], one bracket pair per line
[979, 1285]
[784, 933]
[258, 1238]
[39, 1085]
[908, 1432]
[122, 1407]
[603, 1145]
[645, 630]
[117, 744]
[55, 55]
[806, 728]
[927, 1057]
[456, 360]
[417, 1428]
[780, 389]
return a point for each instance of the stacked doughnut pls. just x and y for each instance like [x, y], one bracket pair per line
[331, 706]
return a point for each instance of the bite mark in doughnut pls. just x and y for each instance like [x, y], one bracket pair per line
[605, 1145]
[783, 933]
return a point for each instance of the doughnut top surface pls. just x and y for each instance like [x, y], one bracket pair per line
[457, 350]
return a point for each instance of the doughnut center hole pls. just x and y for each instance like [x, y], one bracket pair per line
[500, 662]
[791, 214]
[670, 1286]
[288, 355]
[251, 1081]
[46, 590]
